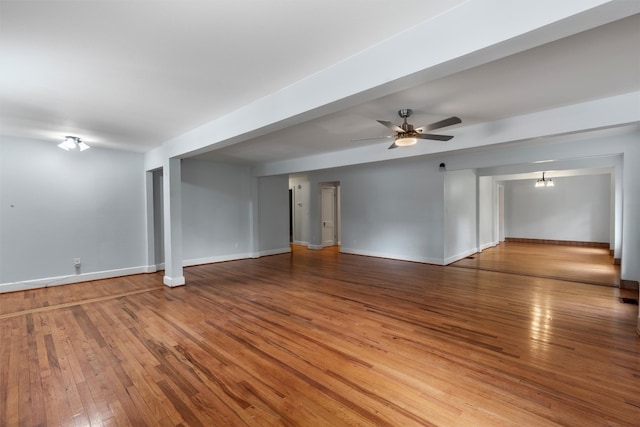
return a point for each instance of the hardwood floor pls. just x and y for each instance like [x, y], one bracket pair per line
[319, 338]
[573, 263]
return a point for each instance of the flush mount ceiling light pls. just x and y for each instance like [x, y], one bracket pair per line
[543, 182]
[405, 139]
[71, 142]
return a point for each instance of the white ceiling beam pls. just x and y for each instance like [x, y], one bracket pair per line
[605, 113]
[474, 33]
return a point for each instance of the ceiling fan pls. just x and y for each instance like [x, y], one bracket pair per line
[407, 135]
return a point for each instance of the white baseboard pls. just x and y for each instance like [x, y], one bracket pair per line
[488, 245]
[299, 242]
[424, 260]
[273, 252]
[75, 278]
[214, 259]
[460, 256]
[315, 247]
[234, 257]
[109, 274]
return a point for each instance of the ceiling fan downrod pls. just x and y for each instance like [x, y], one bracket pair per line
[405, 114]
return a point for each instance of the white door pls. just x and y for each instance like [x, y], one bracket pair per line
[328, 216]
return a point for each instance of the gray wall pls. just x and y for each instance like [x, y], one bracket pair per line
[216, 215]
[393, 209]
[56, 206]
[460, 215]
[91, 205]
[577, 208]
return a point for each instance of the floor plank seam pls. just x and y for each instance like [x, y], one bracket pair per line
[74, 303]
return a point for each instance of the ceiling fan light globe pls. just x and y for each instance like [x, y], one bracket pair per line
[406, 141]
[70, 143]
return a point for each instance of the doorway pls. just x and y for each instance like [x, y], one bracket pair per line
[291, 214]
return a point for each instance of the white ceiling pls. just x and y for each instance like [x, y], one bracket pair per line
[595, 64]
[133, 74]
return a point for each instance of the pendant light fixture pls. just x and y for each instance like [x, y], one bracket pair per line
[71, 142]
[543, 182]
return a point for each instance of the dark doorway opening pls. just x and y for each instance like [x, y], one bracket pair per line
[290, 215]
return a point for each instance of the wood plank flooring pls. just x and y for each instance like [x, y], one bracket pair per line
[575, 263]
[318, 338]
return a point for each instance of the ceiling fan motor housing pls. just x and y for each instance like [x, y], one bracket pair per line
[406, 127]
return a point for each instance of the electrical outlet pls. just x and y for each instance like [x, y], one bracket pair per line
[76, 262]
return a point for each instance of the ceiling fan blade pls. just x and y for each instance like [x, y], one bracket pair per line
[441, 124]
[434, 137]
[391, 126]
[392, 146]
[372, 139]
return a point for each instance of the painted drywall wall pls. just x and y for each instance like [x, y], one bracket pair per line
[577, 209]
[56, 206]
[630, 268]
[460, 222]
[392, 209]
[216, 221]
[273, 214]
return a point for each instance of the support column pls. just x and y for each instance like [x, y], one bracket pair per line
[172, 198]
[617, 211]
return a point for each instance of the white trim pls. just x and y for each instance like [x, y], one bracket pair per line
[488, 245]
[109, 274]
[459, 256]
[172, 282]
[214, 259]
[299, 242]
[424, 260]
[234, 257]
[76, 278]
[273, 252]
[315, 247]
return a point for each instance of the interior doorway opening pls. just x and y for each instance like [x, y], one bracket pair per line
[291, 215]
